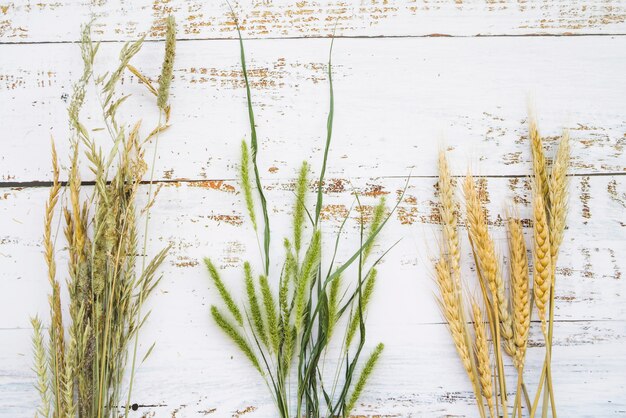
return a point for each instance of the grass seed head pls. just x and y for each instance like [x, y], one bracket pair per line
[167, 70]
[542, 255]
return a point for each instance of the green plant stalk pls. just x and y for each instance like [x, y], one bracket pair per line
[313, 337]
[494, 322]
[546, 375]
[254, 146]
[494, 329]
[329, 133]
[143, 268]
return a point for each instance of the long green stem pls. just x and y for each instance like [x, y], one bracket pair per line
[143, 265]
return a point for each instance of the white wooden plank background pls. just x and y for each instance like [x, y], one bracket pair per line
[397, 97]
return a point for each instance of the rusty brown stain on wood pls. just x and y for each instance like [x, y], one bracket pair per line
[615, 195]
[617, 273]
[184, 261]
[374, 190]
[407, 215]
[336, 212]
[334, 186]
[220, 185]
[587, 265]
[244, 411]
[512, 158]
[585, 197]
[520, 197]
[235, 220]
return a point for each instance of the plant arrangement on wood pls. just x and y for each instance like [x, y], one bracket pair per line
[82, 361]
[500, 318]
[291, 313]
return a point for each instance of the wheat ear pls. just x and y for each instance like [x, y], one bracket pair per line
[539, 158]
[486, 254]
[519, 288]
[449, 219]
[542, 259]
[41, 368]
[452, 311]
[559, 196]
[481, 348]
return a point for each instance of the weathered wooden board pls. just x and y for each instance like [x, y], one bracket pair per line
[469, 94]
[192, 373]
[443, 74]
[47, 20]
[194, 369]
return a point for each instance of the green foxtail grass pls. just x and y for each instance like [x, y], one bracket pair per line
[288, 333]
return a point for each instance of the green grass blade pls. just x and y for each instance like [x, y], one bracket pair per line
[329, 134]
[254, 146]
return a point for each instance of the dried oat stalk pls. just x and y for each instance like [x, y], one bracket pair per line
[80, 366]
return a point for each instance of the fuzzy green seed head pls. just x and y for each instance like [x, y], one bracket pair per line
[245, 182]
[168, 64]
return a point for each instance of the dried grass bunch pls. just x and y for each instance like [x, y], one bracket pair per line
[81, 364]
[293, 326]
[501, 314]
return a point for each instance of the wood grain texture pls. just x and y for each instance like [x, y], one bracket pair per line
[55, 20]
[195, 369]
[453, 74]
[469, 94]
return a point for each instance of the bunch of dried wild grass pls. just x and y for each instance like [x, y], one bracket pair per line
[80, 366]
[507, 312]
[297, 323]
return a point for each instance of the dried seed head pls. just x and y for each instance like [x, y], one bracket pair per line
[481, 348]
[542, 259]
[520, 289]
[299, 206]
[168, 64]
[452, 311]
[559, 196]
[488, 262]
[244, 172]
[540, 169]
[449, 219]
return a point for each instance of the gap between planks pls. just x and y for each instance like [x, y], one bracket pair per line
[296, 38]
[40, 184]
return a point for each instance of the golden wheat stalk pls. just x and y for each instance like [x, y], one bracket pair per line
[558, 196]
[540, 169]
[483, 360]
[542, 275]
[451, 309]
[449, 220]
[488, 261]
[519, 288]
